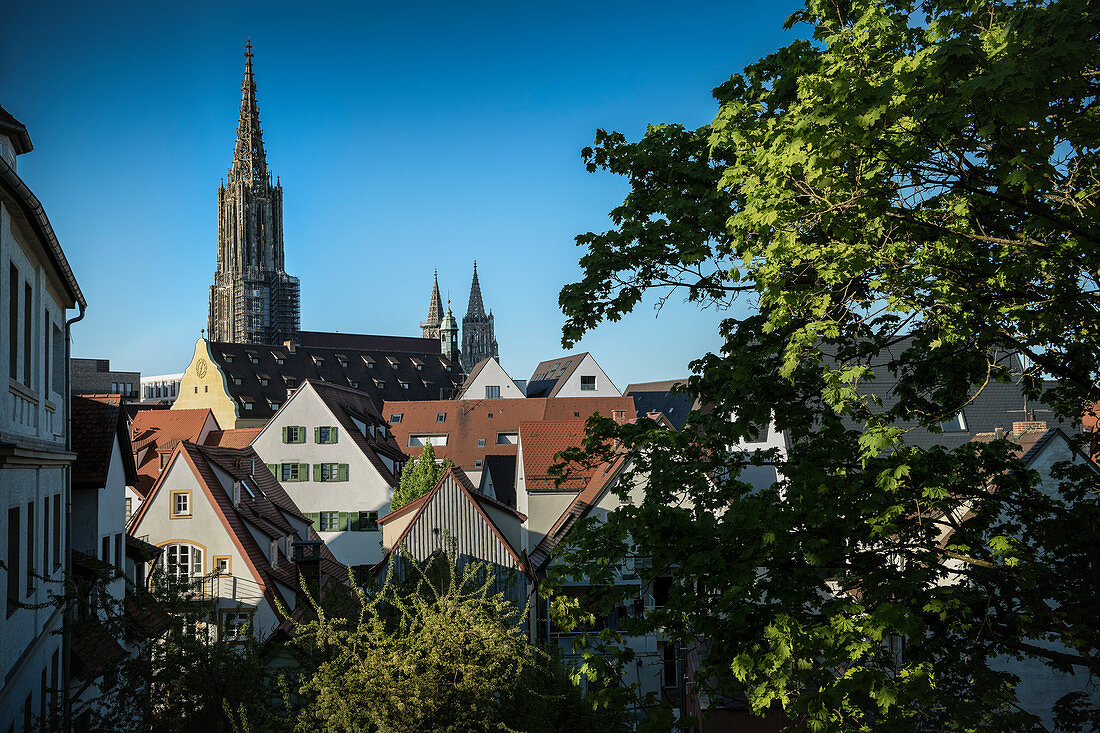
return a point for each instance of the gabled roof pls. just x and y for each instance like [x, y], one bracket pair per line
[264, 505]
[97, 422]
[348, 405]
[467, 421]
[650, 397]
[234, 438]
[598, 484]
[162, 429]
[542, 442]
[502, 471]
[477, 369]
[394, 375]
[480, 502]
[550, 375]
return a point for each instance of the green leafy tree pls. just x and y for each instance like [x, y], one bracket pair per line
[441, 652]
[419, 477]
[911, 185]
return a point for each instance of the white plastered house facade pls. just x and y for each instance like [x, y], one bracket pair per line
[238, 567]
[489, 381]
[341, 480]
[38, 288]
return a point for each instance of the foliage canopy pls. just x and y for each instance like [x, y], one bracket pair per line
[419, 477]
[912, 187]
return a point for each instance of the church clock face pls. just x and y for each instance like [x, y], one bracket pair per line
[201, 368]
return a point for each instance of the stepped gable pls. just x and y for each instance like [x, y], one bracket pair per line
[97, 420]
[268, 373]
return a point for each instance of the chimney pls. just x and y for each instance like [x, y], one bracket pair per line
[998, 433]
[618, 416]
[289, 344]
[1028, 426]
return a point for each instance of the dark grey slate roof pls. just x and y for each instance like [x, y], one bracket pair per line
[997, 406]
[502, 469]
[381, 373]
[652, 397]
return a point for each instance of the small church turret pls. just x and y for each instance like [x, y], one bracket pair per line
[448, 335]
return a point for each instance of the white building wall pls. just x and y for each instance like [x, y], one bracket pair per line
[491, 375]
[365, 489]
[588, 368]
[161, 387]
[32, 412]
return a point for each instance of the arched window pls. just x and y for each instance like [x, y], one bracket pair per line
[183, 561]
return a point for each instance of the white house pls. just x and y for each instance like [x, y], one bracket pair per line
[338, 460]
[162, 388]
[488, 381]
[226, 526]
[577, 375]
[38, 287]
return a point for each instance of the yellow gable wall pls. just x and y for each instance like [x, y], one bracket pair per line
[204, 385]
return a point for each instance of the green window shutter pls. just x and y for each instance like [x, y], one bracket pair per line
[301, 434]
[303, 472]
[317, 435]
[286, 434]
[274, 468]
[313, 517]
[332, 435]
[342, 521]
[353, 523]
[342, 472]
[317, 475]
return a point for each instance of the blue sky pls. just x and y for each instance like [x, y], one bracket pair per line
[407, 136]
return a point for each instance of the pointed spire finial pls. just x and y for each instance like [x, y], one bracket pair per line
[476, 307]
[249, 157]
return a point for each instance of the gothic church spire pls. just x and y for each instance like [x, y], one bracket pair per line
[429, 328]
[249, 157]
[475, 308]
[478, 331]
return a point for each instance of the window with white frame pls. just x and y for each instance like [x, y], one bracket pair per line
[236, 625]
[183, 561]
[588, 383]
[329, 521]
[181, 504]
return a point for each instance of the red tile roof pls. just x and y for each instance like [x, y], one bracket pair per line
[467, 421]
[542, 442]
[235, 438]
[162, 429]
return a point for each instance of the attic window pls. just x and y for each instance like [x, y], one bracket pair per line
[395, 418]
[237, 380]
[477, 463]
[354, 383]
[490, 416]
[481, 442]
[576, 414]
[441, 417]
[343, 360]
[378, 383]
[319, 361]
[253, 358]
[279, 360]
[588, 383]
[507, 438]
[273, 405]
[264, 380]
[368, 361]
[404, 385]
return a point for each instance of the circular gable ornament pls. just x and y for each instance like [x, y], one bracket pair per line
[200, 369]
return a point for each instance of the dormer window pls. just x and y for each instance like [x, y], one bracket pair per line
[237, 381]
[343, 362]
[318, 361]
[254, 358]
[228, 359]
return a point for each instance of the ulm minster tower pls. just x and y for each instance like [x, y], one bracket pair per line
[252, 300]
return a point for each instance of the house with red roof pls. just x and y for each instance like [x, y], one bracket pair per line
[154, 435]
[227, 528]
